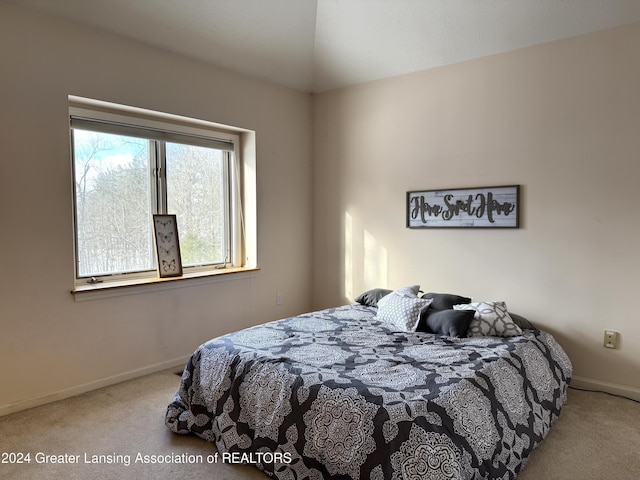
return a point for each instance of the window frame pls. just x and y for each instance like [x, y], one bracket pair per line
[239, 259]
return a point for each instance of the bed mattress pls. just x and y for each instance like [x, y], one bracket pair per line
[336, 394]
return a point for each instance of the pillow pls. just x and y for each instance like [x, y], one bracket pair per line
[402, 308]
[490, 319]
[370, 298]
[411, 290]
[453, 323]
[522, 322]
[445, 301]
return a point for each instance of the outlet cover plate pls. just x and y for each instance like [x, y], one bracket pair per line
[611, 339]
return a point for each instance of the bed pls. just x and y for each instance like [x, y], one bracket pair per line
[342, 393]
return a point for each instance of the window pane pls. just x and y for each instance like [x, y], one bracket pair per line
[196, 194]
[113, 210]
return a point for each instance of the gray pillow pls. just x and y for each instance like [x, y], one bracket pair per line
[453, 323]
[522, 322]
[490, 319]
[371, 297]
[445, 301]
[402, 308]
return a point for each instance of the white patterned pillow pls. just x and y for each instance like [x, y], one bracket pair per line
[490, 319]
[402, 308]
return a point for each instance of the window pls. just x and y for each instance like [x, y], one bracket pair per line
[129, 164]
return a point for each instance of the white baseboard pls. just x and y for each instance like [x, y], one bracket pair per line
[87, 387]
[613, 388]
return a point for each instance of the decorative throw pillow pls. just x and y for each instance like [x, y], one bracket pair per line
[401, 308]
[522, 322]
[453, 323]
[445, 301]
[411, 290]
[490, 319]
[371, 297]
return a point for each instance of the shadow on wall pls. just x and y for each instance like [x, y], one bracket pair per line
[365, 260]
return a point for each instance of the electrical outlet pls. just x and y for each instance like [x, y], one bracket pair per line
[279, 299]
[611, 339]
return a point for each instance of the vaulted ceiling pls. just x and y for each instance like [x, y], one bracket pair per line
[318, 45]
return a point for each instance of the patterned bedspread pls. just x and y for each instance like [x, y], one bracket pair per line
[336, 394]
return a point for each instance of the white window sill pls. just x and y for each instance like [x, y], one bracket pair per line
[132, 287]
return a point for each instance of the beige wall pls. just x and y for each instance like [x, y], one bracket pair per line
[51, 345]
[563, 121]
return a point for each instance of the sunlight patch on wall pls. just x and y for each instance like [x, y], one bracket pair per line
[365, 259]
[375, 263]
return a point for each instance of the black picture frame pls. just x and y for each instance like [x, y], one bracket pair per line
[476, 207]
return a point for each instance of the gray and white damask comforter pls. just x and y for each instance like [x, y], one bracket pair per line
[336, 394]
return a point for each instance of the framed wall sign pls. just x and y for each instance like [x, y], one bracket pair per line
[484, 207]
[167, 246]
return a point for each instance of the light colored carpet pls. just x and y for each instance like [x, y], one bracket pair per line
[596, 437]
